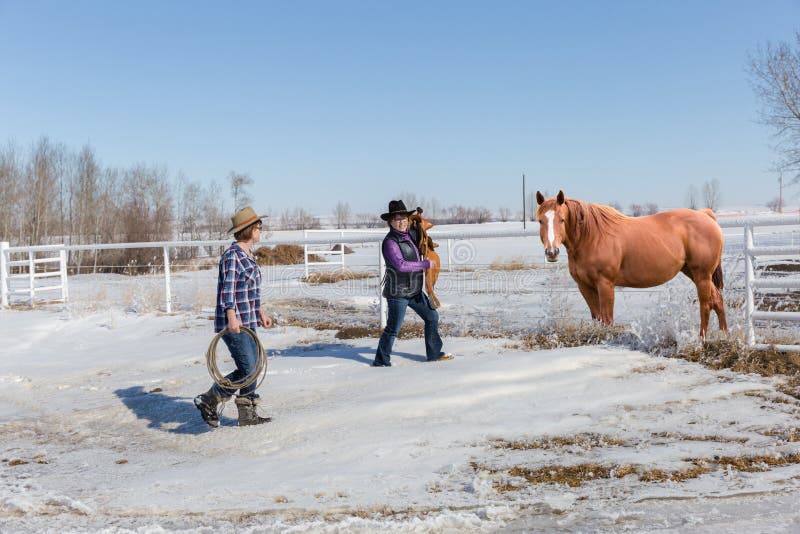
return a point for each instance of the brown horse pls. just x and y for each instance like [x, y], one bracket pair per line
[426, 247]
[608, 249]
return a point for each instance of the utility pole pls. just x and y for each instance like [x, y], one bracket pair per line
[524, 215]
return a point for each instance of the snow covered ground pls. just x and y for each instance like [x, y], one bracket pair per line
[99, 432]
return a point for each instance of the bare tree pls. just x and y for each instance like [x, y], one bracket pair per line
[504, 213]
[146, 213]
[84, 196]
[11, 174]
[692, 197]
[432, 209]
[531, 204]
[616, 205]
[650, 208]
[342, 213]
[367, 220]
[40, 203]
[711, 194]
[239, 183]
[190, 212]
[410, 200]
[775, 205]
[775, 77]
[637, 210]
[482, 215]
[298, 219]
[217, 219]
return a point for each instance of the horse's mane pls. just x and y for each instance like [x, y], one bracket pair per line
[593, 219]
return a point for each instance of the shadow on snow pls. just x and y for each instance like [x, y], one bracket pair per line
[176, 415]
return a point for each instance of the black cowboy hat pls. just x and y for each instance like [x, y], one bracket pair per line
[395, 207]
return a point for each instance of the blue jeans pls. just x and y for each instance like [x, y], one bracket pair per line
[244, 352]
[397, 311]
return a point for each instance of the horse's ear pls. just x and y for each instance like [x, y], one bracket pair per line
[539, 198]
[419, 210]
[560, 197]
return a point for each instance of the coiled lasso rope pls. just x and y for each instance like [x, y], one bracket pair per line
[219, 378]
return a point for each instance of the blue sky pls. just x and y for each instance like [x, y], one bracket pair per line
[320, 102]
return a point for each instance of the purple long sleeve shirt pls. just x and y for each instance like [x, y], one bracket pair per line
[393, 255]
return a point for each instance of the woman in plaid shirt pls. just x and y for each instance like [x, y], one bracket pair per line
[238, 304]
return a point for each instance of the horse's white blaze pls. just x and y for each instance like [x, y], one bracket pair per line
[551, 233]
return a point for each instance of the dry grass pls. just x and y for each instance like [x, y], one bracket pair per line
[584, 441]
[576, 475]
[334, 276]
[786, 268]
[779, 301]
[337, 247]
[409, 330]
[679, 475]
[572, 335]
[757, 463]
[790, 435]
[649, 369]
[357, 332]
[509, 264]
[573, 475]
[688, 437]
[283, 255]
[734, 355]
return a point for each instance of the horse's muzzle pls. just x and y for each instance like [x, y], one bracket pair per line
[551, 255]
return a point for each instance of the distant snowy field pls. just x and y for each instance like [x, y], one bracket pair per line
[99, 432]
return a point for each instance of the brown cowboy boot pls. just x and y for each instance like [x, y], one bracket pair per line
[207, 404]
[247, 412]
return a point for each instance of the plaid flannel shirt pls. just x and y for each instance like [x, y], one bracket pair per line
[238, 288]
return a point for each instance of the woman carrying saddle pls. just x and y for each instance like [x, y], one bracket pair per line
[403, 287]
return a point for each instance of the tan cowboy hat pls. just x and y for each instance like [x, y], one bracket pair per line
[395, 207]
[244, 218]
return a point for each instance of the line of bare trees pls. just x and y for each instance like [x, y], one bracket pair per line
[51, 194]
[433, 211]
[710, 198]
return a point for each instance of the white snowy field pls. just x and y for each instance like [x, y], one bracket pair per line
[99, 432]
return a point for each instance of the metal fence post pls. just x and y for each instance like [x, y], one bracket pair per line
[749, 276]
[4, 274]
[341, 247]
[62, 264]
[305, 252]
[31, 274]
[167, 281]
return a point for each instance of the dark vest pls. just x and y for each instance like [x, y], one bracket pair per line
[397, 284]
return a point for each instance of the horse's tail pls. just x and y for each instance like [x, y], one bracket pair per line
[716, 277]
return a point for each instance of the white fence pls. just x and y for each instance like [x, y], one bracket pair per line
[31, 288]
[333, 251]
[751, 253]
[33, 274]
